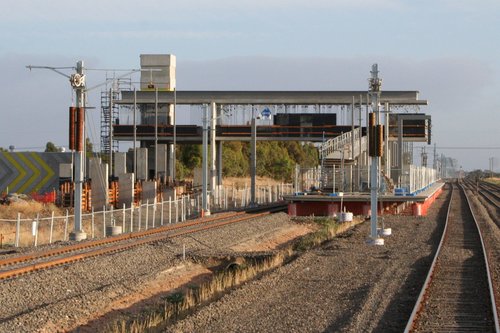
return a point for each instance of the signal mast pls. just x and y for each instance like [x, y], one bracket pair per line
[76, 138]
[77, 133]
[375, 149]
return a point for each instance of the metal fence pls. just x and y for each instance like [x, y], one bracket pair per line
[412, 180]
[420, 178]
[150, 214]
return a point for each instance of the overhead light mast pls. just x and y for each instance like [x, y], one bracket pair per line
[76, 138]
[375, 151]
[77, 81]
[77, 130]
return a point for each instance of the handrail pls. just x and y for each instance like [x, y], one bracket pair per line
[339, 142]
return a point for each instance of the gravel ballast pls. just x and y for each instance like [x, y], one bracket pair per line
[62, 298]
[345, 285]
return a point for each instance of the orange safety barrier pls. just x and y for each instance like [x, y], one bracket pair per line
[67, 195]
[49, 197]
[113, 194]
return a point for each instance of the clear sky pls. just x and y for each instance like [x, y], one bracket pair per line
[449, 50]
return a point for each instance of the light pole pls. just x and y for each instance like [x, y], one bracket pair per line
[174, 157]
[77, 140]
[253, 162]
[375, 85]
[78, 83]
[204, 168]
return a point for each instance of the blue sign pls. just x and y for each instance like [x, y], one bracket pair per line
[266, 113]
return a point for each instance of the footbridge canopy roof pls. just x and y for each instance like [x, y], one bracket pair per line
[267, 97]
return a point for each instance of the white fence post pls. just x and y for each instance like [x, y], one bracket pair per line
[123, 217]
[18, 230]
[182, 208]
[140, 215]
[51, 227]
[66, 226]
[234, 198]
[169, 210]
[154, 212]
[177, 211]
[147, 214]
[104, 221]
[37, 223]
[226, 204]
[92, 227]
[161, 213]
[132, 216]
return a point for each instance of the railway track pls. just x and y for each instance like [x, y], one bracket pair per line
[18, 265]
[457, 295]
[491, 193]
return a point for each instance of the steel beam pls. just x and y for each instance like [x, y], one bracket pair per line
[267, 97]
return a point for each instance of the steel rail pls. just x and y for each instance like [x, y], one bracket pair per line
[110, 240]
[488, 272]
[490, 193]
[121, 247]
[423, 296]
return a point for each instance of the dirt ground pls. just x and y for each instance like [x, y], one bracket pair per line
[241, 182]
[164, 282]
[172, 278]
[273, 239]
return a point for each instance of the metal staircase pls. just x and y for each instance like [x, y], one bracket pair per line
[341, 146]
[338, 153]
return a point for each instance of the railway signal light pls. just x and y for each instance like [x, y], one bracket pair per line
[76, 128]
[376, 137]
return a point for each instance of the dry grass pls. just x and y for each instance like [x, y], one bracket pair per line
[493, 180]
[28, 209]
[241, 182]
[181, 301]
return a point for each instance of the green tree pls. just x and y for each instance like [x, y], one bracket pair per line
[275, 159]
[188, 157]
[89, 147]
[235, 161]
[311, 156]
[52, 148]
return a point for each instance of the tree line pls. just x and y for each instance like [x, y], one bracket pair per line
[275, 159]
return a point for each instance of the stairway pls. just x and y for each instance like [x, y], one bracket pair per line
[336, 155]
[340, 147]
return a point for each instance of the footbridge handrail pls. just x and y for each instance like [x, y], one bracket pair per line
[339, 143]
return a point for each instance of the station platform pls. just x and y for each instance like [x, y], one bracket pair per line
[329, 204]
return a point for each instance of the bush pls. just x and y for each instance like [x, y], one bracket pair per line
[275, 159]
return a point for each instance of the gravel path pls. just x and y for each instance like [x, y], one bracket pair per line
[344, 286]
